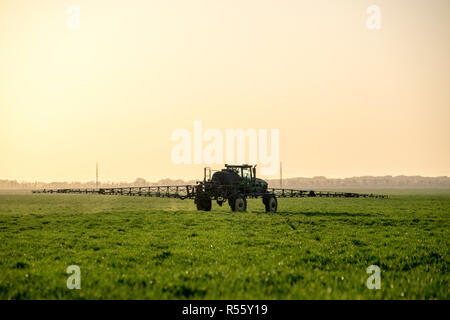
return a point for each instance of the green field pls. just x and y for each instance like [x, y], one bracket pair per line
[151, 248]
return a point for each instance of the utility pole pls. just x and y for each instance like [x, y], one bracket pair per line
[281, 175]
[96, 175]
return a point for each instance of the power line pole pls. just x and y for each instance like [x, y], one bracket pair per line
[96, 175]
[281, 175]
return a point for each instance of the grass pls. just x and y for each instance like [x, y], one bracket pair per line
[151, 248]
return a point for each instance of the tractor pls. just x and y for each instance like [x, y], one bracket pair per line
[234, 184]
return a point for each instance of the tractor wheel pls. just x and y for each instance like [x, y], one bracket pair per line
[207, 204]
[270, 203]
[231, 203]
[204, 203]
[199, 205]
[238, 204]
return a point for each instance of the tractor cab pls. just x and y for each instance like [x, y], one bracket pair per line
[245, 171]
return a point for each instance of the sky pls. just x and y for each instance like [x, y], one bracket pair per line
[346, 100]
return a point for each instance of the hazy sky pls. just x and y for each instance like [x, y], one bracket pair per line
[348, 101]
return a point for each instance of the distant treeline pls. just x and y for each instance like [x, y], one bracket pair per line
[139, 182]
[367, 182]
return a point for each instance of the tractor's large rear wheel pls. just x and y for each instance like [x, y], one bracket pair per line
[271, 203]
[238, 203]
